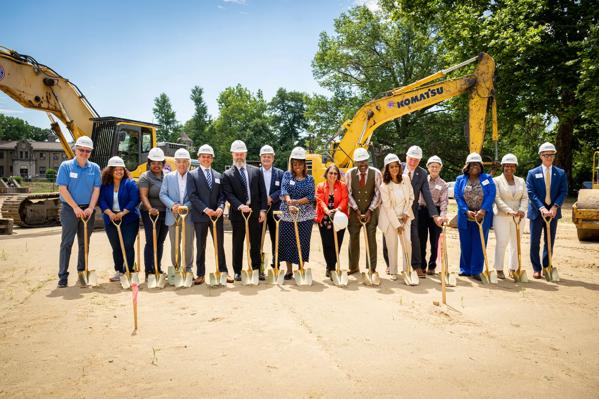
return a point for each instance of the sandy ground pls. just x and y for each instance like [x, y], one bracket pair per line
[534, 340]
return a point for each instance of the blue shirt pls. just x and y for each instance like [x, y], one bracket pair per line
[79, 181]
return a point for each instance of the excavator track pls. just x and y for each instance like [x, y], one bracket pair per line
[32, 210]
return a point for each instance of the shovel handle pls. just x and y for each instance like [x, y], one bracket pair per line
[482, 243]
[547, 220]
[85, 242]
[122, 243]
[366, 243]
[247, 238]
[277, 217]
[155, 242]
[517, 221]
[214, 220]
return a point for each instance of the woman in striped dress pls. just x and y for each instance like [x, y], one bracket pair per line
[297, 197]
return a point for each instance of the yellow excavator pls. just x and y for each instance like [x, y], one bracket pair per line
[37, 86]
[585, 212]
[421, 94]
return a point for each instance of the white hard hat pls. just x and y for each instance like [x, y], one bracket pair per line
[474, 157]
[339, 221]
[298, 153]
[116, 161]
[389, 158]
[434, 159]
[509, 158]
[206, 149]
[182, 153]
[238, 146]
[266, 149]
[361, 154]
[546, 147]
[84, 141]
[156, 154]
[414, 152]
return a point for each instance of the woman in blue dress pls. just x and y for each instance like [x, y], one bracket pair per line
[297, 196]
[474, 193]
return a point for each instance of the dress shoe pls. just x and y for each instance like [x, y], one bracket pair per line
[430, 272]
[349, 273]
[421, 273]
[237, 277]
[261, 277]
[328, 273]
[500, 274]
[62, 284]
[288, 276]
[477, 277]
[537, 275]
[198, 280]
[230, 279]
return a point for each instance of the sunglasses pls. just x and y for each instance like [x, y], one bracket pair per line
[84, 150]
[548, 155]
[333, 173]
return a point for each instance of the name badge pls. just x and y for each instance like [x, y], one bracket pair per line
[291, 183]
[438, 187]
[277, 183]
[217, 181]
[73, 175]
[539, 175]
[486, 182]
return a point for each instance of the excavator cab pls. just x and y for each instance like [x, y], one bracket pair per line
[126, 138]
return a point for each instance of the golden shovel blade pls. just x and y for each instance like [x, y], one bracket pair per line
[92, 278]
[152, 283]
[125, 283]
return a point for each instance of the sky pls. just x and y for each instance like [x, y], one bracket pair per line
[123, 54]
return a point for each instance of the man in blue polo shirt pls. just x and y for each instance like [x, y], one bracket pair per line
[78, 180]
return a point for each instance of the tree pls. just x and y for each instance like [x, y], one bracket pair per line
[17, 129]
[242, 116]
[167, 118]
[197, 126]
[368, 55]
[287, 111]
[546, 53]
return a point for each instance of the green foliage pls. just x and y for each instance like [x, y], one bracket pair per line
[198, 126]
[547, 56]
[51, 174]
[242, 116]
[17, 129]
[170, 129]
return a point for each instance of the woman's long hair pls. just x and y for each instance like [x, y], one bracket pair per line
[387, 174]
[290, 167]
[107, 174]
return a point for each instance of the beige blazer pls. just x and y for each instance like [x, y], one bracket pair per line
[393, 206]
[505, 200]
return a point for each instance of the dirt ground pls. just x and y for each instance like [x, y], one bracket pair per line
[536, 340]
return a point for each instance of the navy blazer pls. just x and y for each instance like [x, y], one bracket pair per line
[420, 186]
[128, 199]
[275, 188]
[201, 196]
[535, 184]
[489, 191]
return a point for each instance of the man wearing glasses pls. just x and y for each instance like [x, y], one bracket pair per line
[78, 180]
[547, 189]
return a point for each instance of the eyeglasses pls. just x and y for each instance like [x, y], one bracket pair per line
[84, 150]
[333, 173]
[548, 155]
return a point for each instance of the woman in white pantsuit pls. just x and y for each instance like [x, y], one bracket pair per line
[511, 200]
[396, 212]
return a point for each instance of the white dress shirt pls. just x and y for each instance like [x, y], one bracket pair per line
[182, 180]
[267, 179]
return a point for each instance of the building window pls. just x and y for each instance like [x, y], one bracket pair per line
[21, 155]
[55, 157]
[1, 154]
[42, 155]
[42, 170]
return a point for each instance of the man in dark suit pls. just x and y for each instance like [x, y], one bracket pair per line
[419, 178]
[547, 187]
[205, 191]
[272, 181]
[244, 189]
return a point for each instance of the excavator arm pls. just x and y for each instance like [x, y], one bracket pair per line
[37, 86]
[417, 96]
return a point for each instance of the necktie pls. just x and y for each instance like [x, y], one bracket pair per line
[362, 179]
[209, 178]
[244, 183]
[548, 187]
[410, 174]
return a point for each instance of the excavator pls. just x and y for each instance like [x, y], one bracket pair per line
[37, 86]
[424, 93]
[585, 212]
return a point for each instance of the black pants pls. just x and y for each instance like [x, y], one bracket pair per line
[271, 226]
[328, 245]
[426, 227]
[161, 232]
[201, 230]
[239, 239]
[129, 232]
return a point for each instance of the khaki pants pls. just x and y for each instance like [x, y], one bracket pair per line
[356, 236]
[189, 243]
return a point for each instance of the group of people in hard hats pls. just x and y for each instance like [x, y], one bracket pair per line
[405, 201]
